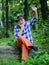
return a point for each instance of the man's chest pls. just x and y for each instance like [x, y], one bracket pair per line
[25, 30]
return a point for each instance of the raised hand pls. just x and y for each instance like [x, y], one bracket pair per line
[33, 8]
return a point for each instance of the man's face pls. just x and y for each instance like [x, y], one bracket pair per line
[21, 21]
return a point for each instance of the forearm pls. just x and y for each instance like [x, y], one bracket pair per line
[20, 32]
[34, 19]
[36, 14]
[35, 11]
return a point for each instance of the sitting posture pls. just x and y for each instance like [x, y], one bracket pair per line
[22, 32]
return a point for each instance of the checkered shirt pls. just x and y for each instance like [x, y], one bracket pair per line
[27, 29]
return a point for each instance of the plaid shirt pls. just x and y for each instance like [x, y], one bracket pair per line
[27, 30]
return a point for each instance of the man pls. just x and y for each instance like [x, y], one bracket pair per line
[23, 27]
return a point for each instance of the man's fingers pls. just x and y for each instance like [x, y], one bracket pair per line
[32, 5]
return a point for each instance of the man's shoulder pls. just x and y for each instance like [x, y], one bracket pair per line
[27, 22]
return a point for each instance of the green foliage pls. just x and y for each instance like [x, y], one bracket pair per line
[9, 62]
[11, 41]
[41, 60]
[1, 32]
[15, 7]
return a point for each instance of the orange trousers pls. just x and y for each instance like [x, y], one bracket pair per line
[25, 45]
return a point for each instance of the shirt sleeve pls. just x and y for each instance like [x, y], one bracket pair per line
[33, 20]
[16, 32]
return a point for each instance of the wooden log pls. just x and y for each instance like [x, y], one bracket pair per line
[9, 52]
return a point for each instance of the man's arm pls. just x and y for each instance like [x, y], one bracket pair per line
[35, 11]
[35, 18]
[21, 30]
[16, 31]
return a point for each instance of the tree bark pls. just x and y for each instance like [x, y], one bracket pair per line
[7, 35]
[3, 11]
[44, 9]
[26, 9]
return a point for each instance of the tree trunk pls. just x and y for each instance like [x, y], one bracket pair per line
[26, 9]
[3, 12]
[7, 35]
[44, 9]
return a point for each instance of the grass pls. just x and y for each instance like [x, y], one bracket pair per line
[38, 59]
[7, 41]
[11, 61]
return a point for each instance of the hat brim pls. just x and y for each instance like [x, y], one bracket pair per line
[20, 19]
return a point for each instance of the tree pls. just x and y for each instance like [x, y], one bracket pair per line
[7, 35]
[44, 9]
[3, 11]
[26, 9]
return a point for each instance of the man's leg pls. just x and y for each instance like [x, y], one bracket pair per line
[24, 52]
